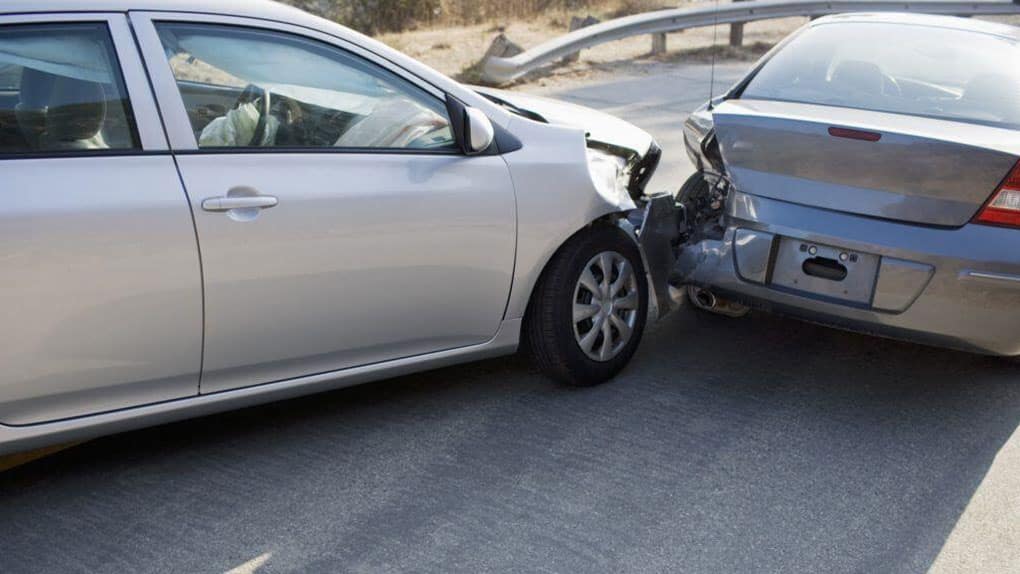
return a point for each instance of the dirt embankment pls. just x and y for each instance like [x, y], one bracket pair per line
[456, 50]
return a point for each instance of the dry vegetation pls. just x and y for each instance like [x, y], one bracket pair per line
[452, 35]
[378, 16]
[456, 50]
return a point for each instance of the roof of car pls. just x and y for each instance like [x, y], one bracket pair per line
[250, 8]
[930, 20]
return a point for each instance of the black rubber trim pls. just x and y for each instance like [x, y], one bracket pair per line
[96, 153]
[317, 150]
[505, 141]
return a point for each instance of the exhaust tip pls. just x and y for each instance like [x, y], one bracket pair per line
[705, 299]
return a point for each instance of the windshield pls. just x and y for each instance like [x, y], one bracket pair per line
[908, 69]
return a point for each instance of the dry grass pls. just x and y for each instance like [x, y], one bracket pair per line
[455, 50]
[395, 16]
[402, 15]
[456, 38]
[457, 33]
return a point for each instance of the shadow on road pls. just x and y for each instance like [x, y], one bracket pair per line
[754, 445]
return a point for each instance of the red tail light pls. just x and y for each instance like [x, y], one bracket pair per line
[1004, 206]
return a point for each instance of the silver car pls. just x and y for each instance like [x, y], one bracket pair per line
[864, 174]
[210, 204]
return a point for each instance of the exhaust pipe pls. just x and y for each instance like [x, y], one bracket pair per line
[706, 300]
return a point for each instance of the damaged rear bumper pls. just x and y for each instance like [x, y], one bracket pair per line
[928, 284]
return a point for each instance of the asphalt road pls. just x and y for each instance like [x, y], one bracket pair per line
[752, 445]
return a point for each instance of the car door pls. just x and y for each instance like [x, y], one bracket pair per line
[339, 224]
[101, 295]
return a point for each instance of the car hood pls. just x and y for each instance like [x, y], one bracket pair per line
[601, 128]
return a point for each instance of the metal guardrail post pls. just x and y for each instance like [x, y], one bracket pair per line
[659, 43]
[576, 23]
[737, 32]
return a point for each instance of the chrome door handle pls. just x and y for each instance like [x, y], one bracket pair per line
[228, 203]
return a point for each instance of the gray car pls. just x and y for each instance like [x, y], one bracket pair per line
[864, 175]
[210, 204]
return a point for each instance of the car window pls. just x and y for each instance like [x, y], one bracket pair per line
[61, 91]
[257, 88]
[927, 71]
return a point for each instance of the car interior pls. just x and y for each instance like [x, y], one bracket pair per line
[41, 112]
[309, 97]
[60, 91]
[919, 77]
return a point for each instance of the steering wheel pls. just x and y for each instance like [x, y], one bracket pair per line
[253, 94]
[289, 115]
[890, 87]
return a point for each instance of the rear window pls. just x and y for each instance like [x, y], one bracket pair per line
[908, 69]
[61, 91]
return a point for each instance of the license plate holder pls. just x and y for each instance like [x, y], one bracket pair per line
[825, 271]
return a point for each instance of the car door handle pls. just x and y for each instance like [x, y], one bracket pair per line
[228, 203]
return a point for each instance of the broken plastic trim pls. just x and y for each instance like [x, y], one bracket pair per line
[643, 170]
[657, 237]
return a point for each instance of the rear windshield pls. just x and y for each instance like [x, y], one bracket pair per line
[908, 69]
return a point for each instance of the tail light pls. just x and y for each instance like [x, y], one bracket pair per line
[1004, 206]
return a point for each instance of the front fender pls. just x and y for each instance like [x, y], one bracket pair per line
[556, 198]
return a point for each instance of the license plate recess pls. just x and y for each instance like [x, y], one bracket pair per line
[825, 271]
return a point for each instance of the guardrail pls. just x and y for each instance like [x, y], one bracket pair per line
[497, 70]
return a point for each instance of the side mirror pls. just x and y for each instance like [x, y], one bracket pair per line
[472, 128]
[480, 132]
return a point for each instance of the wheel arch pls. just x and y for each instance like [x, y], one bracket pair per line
[613, 219]
[556, 200]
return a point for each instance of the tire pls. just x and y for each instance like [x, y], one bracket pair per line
[552, 337]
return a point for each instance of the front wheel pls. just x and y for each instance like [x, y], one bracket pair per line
[588, 311]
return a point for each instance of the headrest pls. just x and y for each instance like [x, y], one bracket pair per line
[33, 100]
[36, 88]
[990, 89]
[77, 111]
[994, 95]
[859, 76]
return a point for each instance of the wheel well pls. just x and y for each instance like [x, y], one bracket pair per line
[608, 220]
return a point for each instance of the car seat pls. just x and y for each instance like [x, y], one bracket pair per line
[60, 113]
[857, 76]
[33, 101]
[76, 115]
[994, 97]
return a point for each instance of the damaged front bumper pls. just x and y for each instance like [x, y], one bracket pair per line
[656, 227]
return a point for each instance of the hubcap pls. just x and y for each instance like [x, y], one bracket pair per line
[606, 304]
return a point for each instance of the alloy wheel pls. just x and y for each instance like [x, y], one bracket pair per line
[605, 309]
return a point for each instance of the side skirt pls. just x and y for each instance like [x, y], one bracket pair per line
[21, 438]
